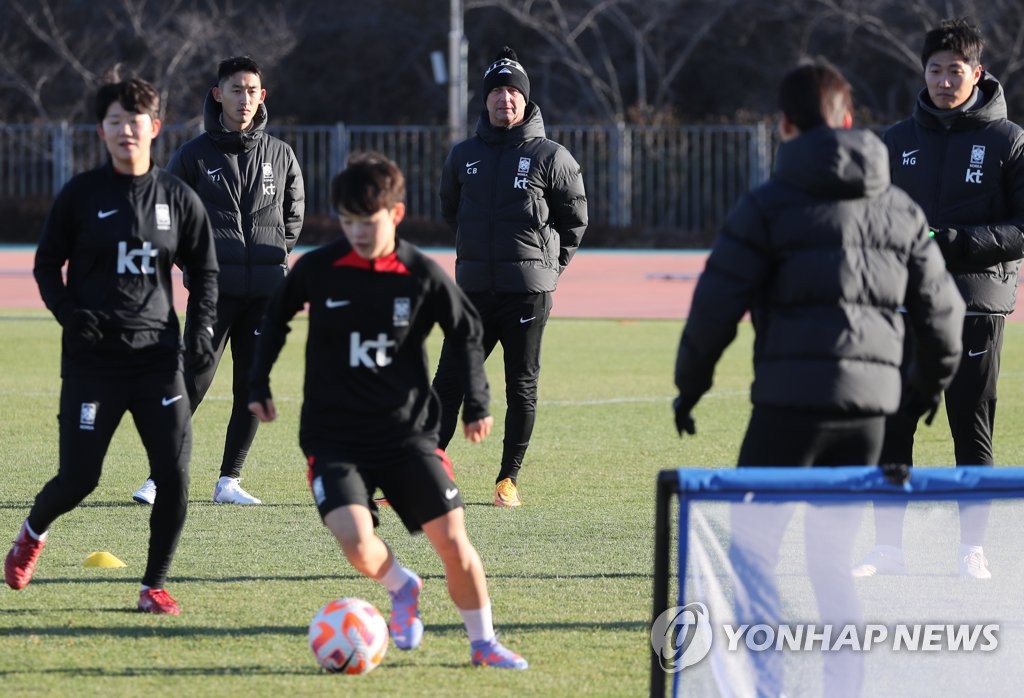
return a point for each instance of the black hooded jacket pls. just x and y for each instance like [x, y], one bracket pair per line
[969, 179]
[822, 256]
[252, 188]
[517, 204]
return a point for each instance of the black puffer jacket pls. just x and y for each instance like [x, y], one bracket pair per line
[822, 256]
[517, 204]
[969, 179]
[252, 188]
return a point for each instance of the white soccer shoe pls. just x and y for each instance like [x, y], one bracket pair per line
[229, 491]
[882, 559]
[974, 565]
[145, 494]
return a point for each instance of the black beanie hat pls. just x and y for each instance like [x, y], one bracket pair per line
[506, 70]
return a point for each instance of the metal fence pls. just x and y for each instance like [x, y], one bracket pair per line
[682, 178]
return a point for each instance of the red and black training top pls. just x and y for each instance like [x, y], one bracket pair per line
[367, 381]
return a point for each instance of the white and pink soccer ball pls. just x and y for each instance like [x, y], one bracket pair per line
[348, 636]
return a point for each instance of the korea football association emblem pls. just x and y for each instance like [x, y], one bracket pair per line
[522, 173]
[974, 169]
[401, 312]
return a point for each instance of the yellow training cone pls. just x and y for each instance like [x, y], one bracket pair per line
[102, 559]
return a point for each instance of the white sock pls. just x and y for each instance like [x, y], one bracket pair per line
[966, 550]
[35, 536]
[478, 622]
[396, 577]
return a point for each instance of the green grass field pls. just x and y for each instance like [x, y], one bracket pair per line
[570, 572]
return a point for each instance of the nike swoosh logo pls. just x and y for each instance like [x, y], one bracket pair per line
[169, 400]
[331, 303]
[908, 153]
[470, 164]
[256, 333]
[524, 320]
[106, 214]
[977, 353]
[213, 172]
[450, 493]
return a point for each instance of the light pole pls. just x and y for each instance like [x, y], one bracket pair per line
[458, 49]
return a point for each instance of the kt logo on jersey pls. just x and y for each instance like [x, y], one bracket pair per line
[370, 353]
[137, 261]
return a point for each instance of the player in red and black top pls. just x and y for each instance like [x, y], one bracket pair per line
[120, 228]
[369, 416]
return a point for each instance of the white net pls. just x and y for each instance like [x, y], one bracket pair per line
[770, 575]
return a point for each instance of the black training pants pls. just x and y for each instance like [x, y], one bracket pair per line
[970, 398]
[238, 320]
[516, 321]
[91, 407]
[781, 437]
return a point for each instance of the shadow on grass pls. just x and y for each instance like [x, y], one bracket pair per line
[129, 504]
[172, 631]
[176, 580]
[135, 672]
[390, 664]
[169, 631]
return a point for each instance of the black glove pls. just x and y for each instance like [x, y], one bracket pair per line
[896, 473]
[950, 242]
[918, 403]
[199, 354]
[684, 421]
[82, 328]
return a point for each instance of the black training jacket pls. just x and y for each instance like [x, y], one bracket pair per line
[969, 179]
[251, 185]
[517, 204]
[120, 236]
[367, 383]
[823, 255]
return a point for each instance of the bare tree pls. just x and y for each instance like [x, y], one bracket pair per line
[625, 55]
[55, 54]
[879, 42]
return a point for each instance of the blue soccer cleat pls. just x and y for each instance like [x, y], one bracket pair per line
[493, 653]
[405, 626]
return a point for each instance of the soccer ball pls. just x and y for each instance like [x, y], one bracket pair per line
[349, 636]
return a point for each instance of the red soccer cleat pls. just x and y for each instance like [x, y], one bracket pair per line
[158, 601]
[21, 560]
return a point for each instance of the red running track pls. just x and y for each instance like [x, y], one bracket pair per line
[598, 283]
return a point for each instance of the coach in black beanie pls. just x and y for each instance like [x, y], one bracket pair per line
[517, 205]
[506, 70]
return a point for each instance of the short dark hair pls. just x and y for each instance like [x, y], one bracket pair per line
[815, 94]
[135, 95]
[237, 64]
[958, 35]
[370, 182]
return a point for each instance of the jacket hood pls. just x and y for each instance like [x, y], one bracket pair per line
[232, 141]
[993, 107]
[532, 126]
[834, 163]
